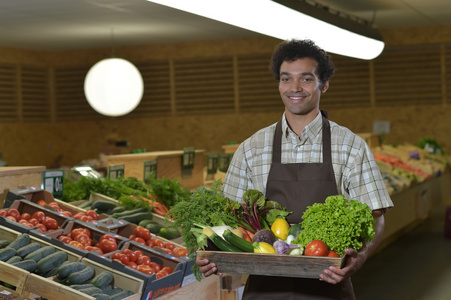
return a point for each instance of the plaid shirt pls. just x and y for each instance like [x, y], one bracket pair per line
[356, 173]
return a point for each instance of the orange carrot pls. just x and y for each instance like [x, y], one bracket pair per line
[245, 234]
[251, 234]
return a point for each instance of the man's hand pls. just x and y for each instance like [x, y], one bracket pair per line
[206, 268]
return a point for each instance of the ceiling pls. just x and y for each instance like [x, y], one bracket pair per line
[54, 25]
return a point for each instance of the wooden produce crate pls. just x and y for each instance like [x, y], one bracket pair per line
[271, 264]
[230, 148]
[372, 139]
[169, 165]
[14, 177]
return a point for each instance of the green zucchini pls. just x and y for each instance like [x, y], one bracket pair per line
[40, 253]
[27, 265]
[235, 240]
[169, 233]
[144, 223]
[4, 243]
[53, 261]
[154, 227]
[20, 241]
[137, 217]
[25, 250]
[7, 253]
[102, 279]
[219, 241]
[65, 270]
[14, 259]
[80, 277]
[130, 212]
[103, 205]
[118, 209]
[86, 204]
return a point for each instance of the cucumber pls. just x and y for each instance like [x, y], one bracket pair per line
[20, 241]
[65, 270]
[101, 296]
[169, 233]
[7, 253]
[107, 288]
[40, 253]
[130, 212]
[14, 259]
[118, 209]
[219, 241]
[102, 279]
[27, 265]
[137, 217]
[91, 290]
[80, 277]
[235, 240]
[144, 223]
[4, 243]
[53, 261]
[86, 204]
[121, 295]
[103, 205]
[25, 250]
[114, 291]
[153, 227]
[81, 286]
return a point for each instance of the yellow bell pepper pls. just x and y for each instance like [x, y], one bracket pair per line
[280, 228]
[263, 247]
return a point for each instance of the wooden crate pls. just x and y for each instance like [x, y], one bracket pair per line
[230, 148]
[372, 139]
[169, 165]
[15, 177]
[271, 264]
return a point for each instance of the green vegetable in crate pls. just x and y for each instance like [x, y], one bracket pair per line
[103, 205]
[153, 227]
[66, 269]
[7, 253]
[4, 243]
[169, 233]
[14, 259]
[53, 261]
[235, 240]
[41, 253]
[102, 279]
[91, 290]
[25, 250]
[27, 265]
[339, 223]
[20, 241]
[101, 296]
[80, 277]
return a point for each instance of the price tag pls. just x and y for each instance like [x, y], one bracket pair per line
[150, 166]
[116, 171]
[188, 158]
[52, 181]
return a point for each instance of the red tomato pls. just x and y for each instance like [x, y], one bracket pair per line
[138, 254]
[168, 245]
[38, 215]
[132, 265]
[316, 248]
[33, 221]
[41, 202]
[14, 213]
[66, 213]
[143, 260]
[131, 255]
[55, 206]
[179, 251]
[151, 243]
[76, 244]
[50, 223]
[84, 239]
[167, 270]
[145, 269]
[91, 213]
[161, 274]
[77, 231]
[131, 237]
[333, 254]
[142, 233]
[156, 267]
[108, 237]
[159, 243]
[124, 258]
[107, 246]
[168, 251]
[25, 216]
[78, 215]
[116, 255]
[140, 240]
[11, 218]
[3, 213]
[65, 239]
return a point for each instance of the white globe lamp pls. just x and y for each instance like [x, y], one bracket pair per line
[114, 87]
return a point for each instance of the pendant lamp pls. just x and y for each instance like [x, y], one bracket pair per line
[113, 87]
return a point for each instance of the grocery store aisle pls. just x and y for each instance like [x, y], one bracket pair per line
[417, 266]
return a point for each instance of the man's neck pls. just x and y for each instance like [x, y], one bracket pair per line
[297, 123]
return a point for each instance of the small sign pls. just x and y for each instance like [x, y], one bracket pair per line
[53, 181]
[188, 158]
[116, 171]
[150, 166]
[87, 171]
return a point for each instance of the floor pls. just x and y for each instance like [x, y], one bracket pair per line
[417, 266]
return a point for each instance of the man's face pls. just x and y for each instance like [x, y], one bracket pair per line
[300, 87]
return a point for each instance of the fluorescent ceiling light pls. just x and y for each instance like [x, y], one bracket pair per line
[279, 21]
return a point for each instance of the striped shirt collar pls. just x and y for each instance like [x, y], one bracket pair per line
[309, 133]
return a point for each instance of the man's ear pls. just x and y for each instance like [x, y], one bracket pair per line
[325, 86]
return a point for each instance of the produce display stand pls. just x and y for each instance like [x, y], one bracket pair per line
[169, 165]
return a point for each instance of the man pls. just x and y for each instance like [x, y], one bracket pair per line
[301, 160]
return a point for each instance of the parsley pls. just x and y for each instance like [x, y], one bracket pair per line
[339, 223]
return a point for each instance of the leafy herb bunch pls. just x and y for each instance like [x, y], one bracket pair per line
[339, 223]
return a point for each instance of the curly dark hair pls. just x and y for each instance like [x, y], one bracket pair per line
[294, 49]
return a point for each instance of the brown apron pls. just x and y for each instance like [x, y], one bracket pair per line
[297, 186]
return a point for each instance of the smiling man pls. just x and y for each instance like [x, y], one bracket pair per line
[300, 160]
